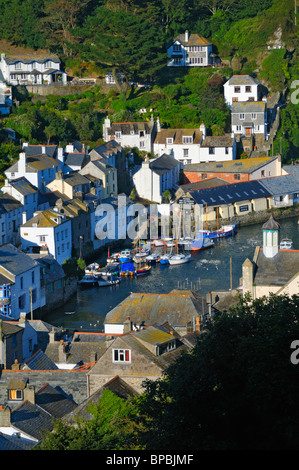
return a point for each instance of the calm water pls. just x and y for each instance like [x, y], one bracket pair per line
[208, 270]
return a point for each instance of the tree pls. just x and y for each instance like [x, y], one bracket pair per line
[112, 428]
[125, 43]
[236, 390]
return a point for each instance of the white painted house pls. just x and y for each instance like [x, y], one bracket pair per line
[190, 50]
[39, 170]
[156, 176]
[11, 217]
[218, 149]
[130, 134]
[23, 191]
[51, 229]
[35, 69]
[20, 286]
[184, 144]
[241, 88]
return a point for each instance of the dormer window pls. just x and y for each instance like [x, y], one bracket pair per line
[169, 140]
[187, 139]
[16, 395]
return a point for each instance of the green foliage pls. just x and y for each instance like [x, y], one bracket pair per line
[275, 69]
[237, 389]
[74, 267]
[111, 428]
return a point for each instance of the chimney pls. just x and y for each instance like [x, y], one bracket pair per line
[4, 416]
[22, 319]
[69, 148]
[62, 352]
[16, 365]
[29, 394]
[59, 175]
[197, 324]
[93, 356]
[203, 130]
[127, 325]
[24, 217]
[44, 150]
[186, 35]
[60, 155]
[158, 124]
[52, 335]
[22, 163]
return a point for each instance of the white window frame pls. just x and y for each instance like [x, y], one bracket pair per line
[121, 356]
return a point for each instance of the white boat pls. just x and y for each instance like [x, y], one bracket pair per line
[92, 268]
[141, 255]
[180, 258]
[164, 259]
[201, 244]
[169, 242]
[108, 282]
[158, 242]
[286, 244]
[153, 258]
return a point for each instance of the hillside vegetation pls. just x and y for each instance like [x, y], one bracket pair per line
[130, 36]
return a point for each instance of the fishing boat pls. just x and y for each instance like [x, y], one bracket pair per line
[112, 269]
[108, 282]
[200, 244]
[127, 269]
[224, 231]
[92, 268]
[141, 255]
[286, 244]
[143, 270]
[179, 258]
[88, 281]
[125, 256]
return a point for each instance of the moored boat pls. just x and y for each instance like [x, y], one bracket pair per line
[88, 281]
[179, 258]
[108, 282]
[143, 270]
[201, 244]
[224, 231]
[153, 258]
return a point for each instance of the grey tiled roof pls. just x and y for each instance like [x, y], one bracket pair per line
[14, 260]
[31, 150]
[23, 186]
[278, 185]
[276, 271]
[243, 80]
[163, 164]
[8, 203]
[248, 107]
[39, 361]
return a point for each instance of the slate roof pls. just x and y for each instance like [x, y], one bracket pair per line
[14, 260]
[292, 170]
[78, 352]
[75, 159]
[163, 164]
[9, 442]
[23, 186]
[246, 165]
[106, 149]
[9, 329]
[229, 193]
[73, 179]
[44, 218]
[35, 163]
[277, 185]
[39, 361]
[218, 141]
[177, 308]
[206, 183]
[242, 80]
[127, 127]
[177, 136]
[28, 58]
[194, 39]
[248, 107]
[31, 149]
[276, 271]
[8, 203]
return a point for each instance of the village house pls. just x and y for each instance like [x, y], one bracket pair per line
[11, 217]
[5, 96]
[74, 156]
[29, 340]
[184, 310]
[70, 184]
[156, 176]
[105, 173]
[20, 287]
[130, 134]
[284, 190]
[136, 356]
[51, 229]
[190, 50]
[242, 88]
[36, 69]
[232, 171]
[39, 170]
[11, 341]
[22, 190]
[218, 149]
[184, 144]
[249, 118]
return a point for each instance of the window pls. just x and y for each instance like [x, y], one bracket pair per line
[142, 144]
[177, 61]
[118, 134]
[263, 173]
[16, 395]
[253, 115]
[176, 48]
[237, 177]
[42, 238]
[248, 89]
[196, 60]
[121, 355]
[238, 128]
[242, 116]
[187, 139]
[21, 282]
[235, 100]
[18, 66]
[211, 150]
[169, 140]
[22, 299]
[186, 152]
[237, 89]
[226, 150]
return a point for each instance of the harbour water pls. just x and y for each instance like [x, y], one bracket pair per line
[208, 270]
